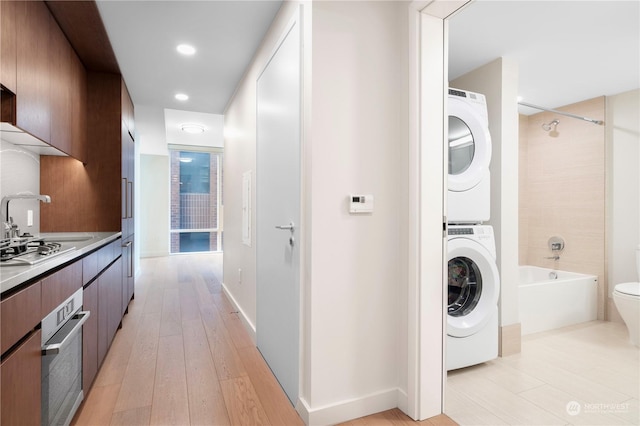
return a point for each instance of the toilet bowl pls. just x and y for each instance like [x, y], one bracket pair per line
[626, 297]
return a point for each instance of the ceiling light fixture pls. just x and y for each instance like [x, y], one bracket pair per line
[186, 49]
[192, 128]
[181, 97]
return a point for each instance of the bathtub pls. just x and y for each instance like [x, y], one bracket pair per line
[550, 299]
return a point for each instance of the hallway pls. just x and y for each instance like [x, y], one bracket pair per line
[183, 357]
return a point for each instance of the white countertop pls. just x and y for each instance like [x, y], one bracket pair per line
[84, 242]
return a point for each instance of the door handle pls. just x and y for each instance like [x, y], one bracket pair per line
[289, 227]
[54, 345]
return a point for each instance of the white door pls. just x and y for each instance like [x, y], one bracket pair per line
[278, 210]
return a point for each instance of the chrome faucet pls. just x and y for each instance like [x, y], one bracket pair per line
[556, 244]
[7, 223]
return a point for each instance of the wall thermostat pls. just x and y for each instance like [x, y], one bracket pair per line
[360, 203]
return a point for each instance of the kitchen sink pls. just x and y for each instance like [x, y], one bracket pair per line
[67, 238]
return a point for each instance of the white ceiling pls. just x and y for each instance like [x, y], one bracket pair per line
[144, 36]
[567, 51]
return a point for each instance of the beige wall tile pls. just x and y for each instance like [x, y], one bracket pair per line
[563, 191]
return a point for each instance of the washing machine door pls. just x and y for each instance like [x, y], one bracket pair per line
[473, 287]
[469, 145]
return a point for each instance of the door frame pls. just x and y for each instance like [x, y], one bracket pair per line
[428, 84]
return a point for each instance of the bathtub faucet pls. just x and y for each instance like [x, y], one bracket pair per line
[556, 257]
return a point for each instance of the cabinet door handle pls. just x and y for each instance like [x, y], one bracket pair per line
[125, 192]
[127, 244]
[130, 200]
[55, 347]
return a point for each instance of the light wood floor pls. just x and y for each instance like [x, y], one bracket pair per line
[588, 374]
[183, 357]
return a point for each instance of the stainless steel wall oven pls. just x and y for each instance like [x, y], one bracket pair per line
[62, 361]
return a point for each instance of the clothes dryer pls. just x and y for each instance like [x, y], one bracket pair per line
[469, 146]
[473, 289]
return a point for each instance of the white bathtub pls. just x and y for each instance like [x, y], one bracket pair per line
[547, 303]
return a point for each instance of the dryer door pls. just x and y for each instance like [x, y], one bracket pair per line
[473, 287]
[469, 144]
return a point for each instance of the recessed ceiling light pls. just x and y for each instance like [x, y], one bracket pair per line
[186, 49]
[192, 128]
[181, 97]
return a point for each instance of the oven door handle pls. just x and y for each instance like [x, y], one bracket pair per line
[52, 349]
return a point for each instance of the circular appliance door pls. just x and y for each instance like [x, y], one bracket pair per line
[469, 145]
[473, 287]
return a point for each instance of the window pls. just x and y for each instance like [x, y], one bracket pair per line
[196, 199]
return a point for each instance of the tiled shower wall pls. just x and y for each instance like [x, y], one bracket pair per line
[562, 191]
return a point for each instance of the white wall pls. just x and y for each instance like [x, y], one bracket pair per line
[153, 233]
[498, 81]
[360, 145]
[354, 267]
[623, 185]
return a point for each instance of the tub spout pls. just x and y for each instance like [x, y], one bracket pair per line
[556, 257]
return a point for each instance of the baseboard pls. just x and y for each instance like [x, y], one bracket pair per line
[348, 410]
[403, 401]
[248, 325]
[510, 341]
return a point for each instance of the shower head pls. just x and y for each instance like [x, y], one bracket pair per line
[550, 126]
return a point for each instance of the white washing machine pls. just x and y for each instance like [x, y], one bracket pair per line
[469, 145]
[473, 290]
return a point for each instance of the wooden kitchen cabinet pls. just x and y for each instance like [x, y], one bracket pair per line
[90, 336]
[127, 192]
[21, 384]
[8, 45]
[78, 93]
[33, 71]
[128, 272]
[20, 314]
[59, 88]
[109, 306]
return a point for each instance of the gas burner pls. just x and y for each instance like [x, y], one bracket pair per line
[28, 250]
[48, 248]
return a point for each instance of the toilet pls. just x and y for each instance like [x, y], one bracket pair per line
[626, 296]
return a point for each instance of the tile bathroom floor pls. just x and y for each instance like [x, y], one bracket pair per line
[586, 374]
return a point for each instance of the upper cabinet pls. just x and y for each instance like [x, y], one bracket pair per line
[8, 44]
[78, 93]
[33, 113]
[46, 79]
[59, 88]
[127, 110]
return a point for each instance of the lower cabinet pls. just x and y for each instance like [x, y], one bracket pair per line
[90, 336]
[103, 297]
[21, 388]
[128, 272]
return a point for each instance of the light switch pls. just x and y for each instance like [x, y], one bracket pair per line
[360, 203]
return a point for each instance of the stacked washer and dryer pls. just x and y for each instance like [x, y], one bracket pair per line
[473, 279]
